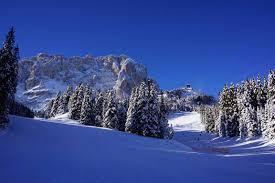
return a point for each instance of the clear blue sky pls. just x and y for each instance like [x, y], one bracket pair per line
[204, 43]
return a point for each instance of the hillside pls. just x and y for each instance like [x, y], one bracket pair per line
[57, 151]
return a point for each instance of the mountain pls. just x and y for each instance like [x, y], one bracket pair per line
[186, 91]
[42, 76]
[186, 99]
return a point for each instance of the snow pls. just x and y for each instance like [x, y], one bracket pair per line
[190, 131]
[186, 121]
[35, 150]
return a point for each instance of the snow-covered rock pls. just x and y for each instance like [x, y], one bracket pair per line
[42, 76]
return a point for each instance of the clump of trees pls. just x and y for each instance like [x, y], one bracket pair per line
[245, 110]
[19, 109]
[145, 113]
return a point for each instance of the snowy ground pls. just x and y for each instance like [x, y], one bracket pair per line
[45, 151]
[189, 131]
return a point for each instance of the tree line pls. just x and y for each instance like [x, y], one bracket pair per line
[144, 113]
[244, 110]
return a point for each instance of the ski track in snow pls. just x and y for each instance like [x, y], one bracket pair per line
[60, 150]
[190, 131]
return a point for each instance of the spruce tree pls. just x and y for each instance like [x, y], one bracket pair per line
[87, 116]
[122, 114]
[131, 124]
[75, 102]
[47, 109]
[99, 108]
[221, 125]
[110, 115]
[9, 56]
[56, 103]
[152, 125]
[232, 112]
[262, 107]
[64, 101]
[166, 131]
[270, 129]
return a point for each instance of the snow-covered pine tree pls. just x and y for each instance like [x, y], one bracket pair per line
[122, 113]
[99, 108]
[9, 56]
[56, 103]
[87, 116]
[64, 102]
[247, 112]
[131, 124]
[151, 125]
[270, 129]
[228, 121]
[141, 117]
[110, 114]
[248, 104]
[221, 125]
[262, 109]
[75, 102]
[105, 103]
[211, 118]
[254, 127]
[47, 110]
[232, 113]
[242, 107]
[166, 131]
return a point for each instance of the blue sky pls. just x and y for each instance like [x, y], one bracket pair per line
[204, 43]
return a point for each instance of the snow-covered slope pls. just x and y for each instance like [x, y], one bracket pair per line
[42, 76]
[190, 132]
[47, 152]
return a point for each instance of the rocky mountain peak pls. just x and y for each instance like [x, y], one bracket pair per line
[42, 76]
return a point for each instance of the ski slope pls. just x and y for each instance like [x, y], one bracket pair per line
[190, 132]
[39, 151]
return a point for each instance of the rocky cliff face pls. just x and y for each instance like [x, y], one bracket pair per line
[42, 76]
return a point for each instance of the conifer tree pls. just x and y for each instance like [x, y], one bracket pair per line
[131, 124]
[232, 112]
[99, 108]
[56, 103]
[270, 127]
[47, 109]
[64, 102]
[262, 115]
[221, 126]
[152, 125]
[9, 56]
[166, 131]
[110, 115]
[75, 102]
[122, 114]
[87, 110]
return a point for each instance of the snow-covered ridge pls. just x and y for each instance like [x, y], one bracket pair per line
[42, 76]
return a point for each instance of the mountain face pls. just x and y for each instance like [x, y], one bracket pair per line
[42, 76]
